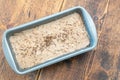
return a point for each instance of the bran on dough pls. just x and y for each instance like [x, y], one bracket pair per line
[48, 41]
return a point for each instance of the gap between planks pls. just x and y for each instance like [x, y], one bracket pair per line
[101, 18]
[39, 72]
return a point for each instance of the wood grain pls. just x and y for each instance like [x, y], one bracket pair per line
[103, 62]
[16, 12]
[107, 56]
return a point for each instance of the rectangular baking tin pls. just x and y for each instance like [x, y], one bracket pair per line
[90, 27]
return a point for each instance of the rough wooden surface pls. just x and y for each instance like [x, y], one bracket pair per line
[102, 63]
[16, 12]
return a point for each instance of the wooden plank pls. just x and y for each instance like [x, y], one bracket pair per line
[13, 13]
[104, 62]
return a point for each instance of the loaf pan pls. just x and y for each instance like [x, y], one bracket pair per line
[89, 25]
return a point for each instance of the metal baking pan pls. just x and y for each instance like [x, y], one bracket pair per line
[89, 24]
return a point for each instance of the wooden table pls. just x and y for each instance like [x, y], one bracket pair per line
[102, 63]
